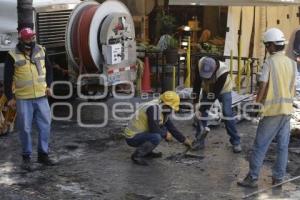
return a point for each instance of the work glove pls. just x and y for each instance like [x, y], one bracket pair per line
[48, 92]
[12, 103]
[188, 143]
[198, 115]
[168, 137]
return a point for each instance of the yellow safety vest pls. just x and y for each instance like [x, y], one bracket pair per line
[281, 85]
[207, 85]
[29, 78]
[139, 121]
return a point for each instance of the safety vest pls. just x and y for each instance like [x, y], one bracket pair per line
[29, 76]
[208, 85]
[139, 121]
[280, 89]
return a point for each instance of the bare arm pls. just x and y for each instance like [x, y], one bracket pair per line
[262, 90]
[263, 83]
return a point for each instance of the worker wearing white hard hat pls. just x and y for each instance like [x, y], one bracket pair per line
[276, 92]
[274, 35]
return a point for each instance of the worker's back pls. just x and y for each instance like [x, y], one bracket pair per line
[281, 90]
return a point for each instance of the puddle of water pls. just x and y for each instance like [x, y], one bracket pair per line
[295, 194]
[74, 188]
[6, 178]
[76, 153]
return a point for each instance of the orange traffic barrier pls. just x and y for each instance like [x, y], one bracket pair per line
[146, 81]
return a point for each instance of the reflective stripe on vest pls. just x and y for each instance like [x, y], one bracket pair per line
[21, 83]
[278, 100]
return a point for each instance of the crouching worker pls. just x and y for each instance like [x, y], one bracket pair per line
[150, 124]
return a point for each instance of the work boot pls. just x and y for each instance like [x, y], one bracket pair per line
[153, 154]
[248, 182]
[138, 157]
[237, 148]
[199, 143]
[27, 164]
[276, 181]
[45, 160]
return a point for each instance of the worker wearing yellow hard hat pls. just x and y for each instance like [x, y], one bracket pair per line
[150, 124]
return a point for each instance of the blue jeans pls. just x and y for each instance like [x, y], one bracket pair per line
[33, 111]
[269, 128]
[230, 124]
[141, 138]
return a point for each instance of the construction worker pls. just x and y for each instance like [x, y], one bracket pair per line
[213, 77]
[276, 92]
[28, 68]
[150, 124]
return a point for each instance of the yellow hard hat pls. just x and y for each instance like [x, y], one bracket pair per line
[171, 99]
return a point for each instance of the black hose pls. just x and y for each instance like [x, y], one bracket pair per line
[25, 14]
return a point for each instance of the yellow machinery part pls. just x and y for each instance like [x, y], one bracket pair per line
[7, 116]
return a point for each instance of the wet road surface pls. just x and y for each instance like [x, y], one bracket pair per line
[94, 163]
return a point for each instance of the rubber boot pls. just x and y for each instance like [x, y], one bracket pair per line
[138, 157]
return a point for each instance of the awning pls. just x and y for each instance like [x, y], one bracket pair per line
[234, 2]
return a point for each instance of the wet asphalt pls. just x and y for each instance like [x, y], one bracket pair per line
[94, 163]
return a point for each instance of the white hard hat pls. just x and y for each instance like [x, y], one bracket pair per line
[274, 35]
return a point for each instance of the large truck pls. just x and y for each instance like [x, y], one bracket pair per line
[50, 19]
[81, 38]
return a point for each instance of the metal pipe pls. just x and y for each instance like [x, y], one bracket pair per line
[178, 70]
[251, 67]
[187, 82]
[163, 73]
[157, 71]
[25, 15]
[248, 74]
[239, 67]
[174, 78]
[231, 64]
[273, 186]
